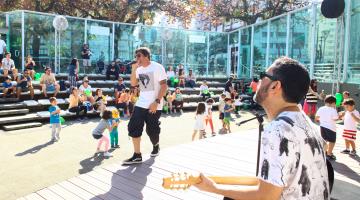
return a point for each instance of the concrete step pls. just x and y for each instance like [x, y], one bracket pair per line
[21, 126]
[14, 112]
[8, 100]
[12, 106]
[24, 118]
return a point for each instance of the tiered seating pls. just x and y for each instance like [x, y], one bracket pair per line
[30, 113]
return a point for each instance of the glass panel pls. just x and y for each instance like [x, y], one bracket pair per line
[174, 47]
[99, 36]
[325, 48]
[300, 36]
[218, 55]
[40, 40]
[234, 37]
[71, 42]
[14, 38]
[277, 39]
[354, 46]
[260, 38]
[125, 42]
[196, 52]
[245, 53]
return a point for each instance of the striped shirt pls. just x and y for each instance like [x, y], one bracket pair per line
[311, 98]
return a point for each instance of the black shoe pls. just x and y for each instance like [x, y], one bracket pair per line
[136, 158]
[346, 151]
[117, 146]
[331, 157]
[155, 151]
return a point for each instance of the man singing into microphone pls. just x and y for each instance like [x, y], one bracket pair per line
[150, 76]
[292, 161]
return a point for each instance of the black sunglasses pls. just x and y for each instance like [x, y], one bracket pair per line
[271, 77]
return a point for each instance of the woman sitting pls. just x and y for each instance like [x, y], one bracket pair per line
[30, 65]
[123, 101]
[178, 101]
[204, 91]
[100, 101]
[74, 101]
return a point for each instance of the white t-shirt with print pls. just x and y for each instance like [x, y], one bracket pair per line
[292, 157]
[149, 81]
[349, 122]
[2, 46]
[328, 115]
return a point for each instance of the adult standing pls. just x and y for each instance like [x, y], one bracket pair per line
[73, 70]
[85, 55]
[151, 78]
[311, 99]
[292, 161]
[2, 48]
[48, 82]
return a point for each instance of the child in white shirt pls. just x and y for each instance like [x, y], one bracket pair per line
[351, 118]
[199, 121]
[327, 116]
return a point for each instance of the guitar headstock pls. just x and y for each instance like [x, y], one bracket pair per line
[179, 181]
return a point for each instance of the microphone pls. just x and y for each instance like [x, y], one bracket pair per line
[132, 62]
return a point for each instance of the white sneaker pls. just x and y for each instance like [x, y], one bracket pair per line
[108, 154]
[181, 111]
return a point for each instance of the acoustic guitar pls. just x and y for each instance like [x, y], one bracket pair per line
[184, 180]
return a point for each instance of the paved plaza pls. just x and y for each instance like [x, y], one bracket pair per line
[29, 162]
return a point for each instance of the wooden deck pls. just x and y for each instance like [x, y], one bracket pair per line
[232, 155]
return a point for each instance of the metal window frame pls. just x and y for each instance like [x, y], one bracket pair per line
[346, 39]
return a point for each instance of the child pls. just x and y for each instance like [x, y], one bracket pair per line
[228, 108]
[54, 120]
[170, 99]
[114, 135]
[98, 132]
[208, 113]
[100, 101]
[327, 116]
[86, 103]
[204, 91]
[200, 121]
[221, 111]
[351, 117]
[237, 104]
[9, 88]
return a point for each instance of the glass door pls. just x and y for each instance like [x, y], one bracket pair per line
[233, 55]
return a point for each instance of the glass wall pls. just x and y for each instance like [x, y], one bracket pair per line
[278, 34]
[259, 51]
[196, 52]
[14, 39]
[353, 71]
[218, 57]
[325, 48]
[300, 36]
[245, 52]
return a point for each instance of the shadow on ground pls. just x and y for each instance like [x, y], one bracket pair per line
[35, 149]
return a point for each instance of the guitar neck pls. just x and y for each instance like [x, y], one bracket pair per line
[234, 180]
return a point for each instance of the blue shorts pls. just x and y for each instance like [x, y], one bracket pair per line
[50, 88]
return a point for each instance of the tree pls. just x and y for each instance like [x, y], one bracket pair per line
[247, 11]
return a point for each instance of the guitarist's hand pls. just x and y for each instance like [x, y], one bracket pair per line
[206, 184]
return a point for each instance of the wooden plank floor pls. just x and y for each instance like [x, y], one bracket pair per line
[233, 154]
[226, 155]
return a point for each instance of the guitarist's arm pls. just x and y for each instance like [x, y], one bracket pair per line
[263, 191]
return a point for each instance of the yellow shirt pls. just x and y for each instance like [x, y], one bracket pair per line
[73, 101]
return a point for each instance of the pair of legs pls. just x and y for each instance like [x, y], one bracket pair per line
[201, 134]
[114, 73]
[190, 83]
[351, 143]
[330, 137]
[114, 138]
[124, 106]
[350, 138]
[21, 89]
[8, 91]
[55, 131]
[226, 124]
[86, 65]
[210, 121]
[78, 109]
[178, 105]
[205, 96]
[72, 81]
[139, 118]
[48, 88]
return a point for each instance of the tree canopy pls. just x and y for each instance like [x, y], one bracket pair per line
[212, 12]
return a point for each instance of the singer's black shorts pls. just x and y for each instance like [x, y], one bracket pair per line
[221, 115]
[141, 116]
